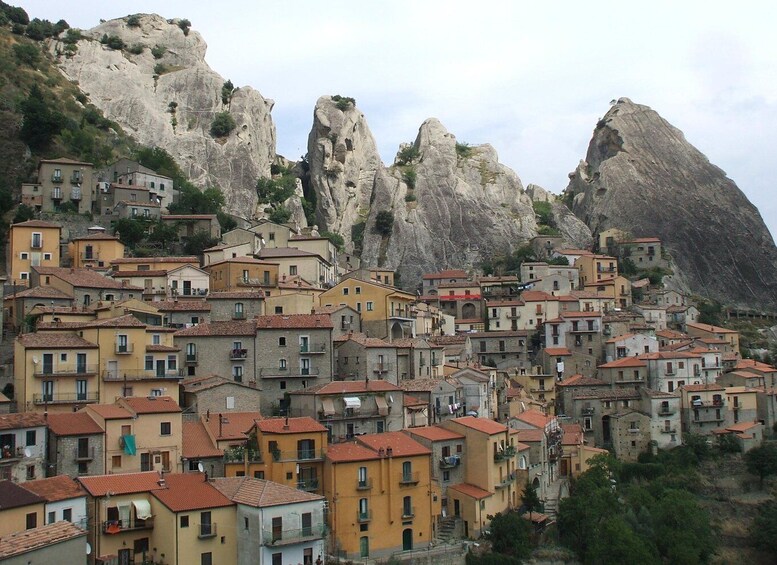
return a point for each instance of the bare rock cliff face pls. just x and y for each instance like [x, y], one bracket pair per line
[343, 161]
[641, 175]
[137, 93]
[464, 207]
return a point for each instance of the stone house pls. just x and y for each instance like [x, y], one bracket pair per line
[65, 499]
[84, 285]
[190, 224]
[236, 304]
[444, 397]
[630, 434]
[704, 407]
[61, 181]
[19, 304]
[22, 447]
[418, 358]
[359, 357]
[183, 313]
[629, 345]
[219, 395]
[501, 349]
[226, 349]
[76, 444]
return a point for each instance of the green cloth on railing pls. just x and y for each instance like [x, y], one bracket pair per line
[129, 444]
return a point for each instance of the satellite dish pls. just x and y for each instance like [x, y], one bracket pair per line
[200, 468]
[27, 452]
[88, 548]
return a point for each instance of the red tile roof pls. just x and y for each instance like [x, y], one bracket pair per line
[529, 436]
[535, 418]
[435, 433]
[121, 483]
[303, 424]
[163, 259]
[363, 340]
[110, 411]
[56, 488]
[557, 351]
[14, 496]
[699, 388]
[19, 543]
[400, 444]
[259, 493]
[470, 490]
[709, 328]
[152, 404]
[350, 387]
[481, 424]
[450, 274]
[580, 380]
[234, 425]
[229, 328]
[21, 420]
[48, 340]
[236, 294]
[349, 451]
[624, 362]
[41, 292]
[84, 278]
[184, 492]
[73, 424]
[196, 442]
[294, 321]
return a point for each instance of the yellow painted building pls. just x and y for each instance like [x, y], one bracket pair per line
[123, 264]
[386, 311]
[381, 495]
[31, 244]
[289, 451]
[95, 251]
[595, 268]
[21, 509]
[708, 331]
[243, 273]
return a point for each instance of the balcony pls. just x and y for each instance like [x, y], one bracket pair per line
[668, 431]
[666, 411]
[288, 372]
[299, 455]
[56, 178]
[285, 537]
[408, 513]
[505, 453]
[308, 485]
[141, 375]
[207, 531]
[75, 193]
[312, 348]
[191, 358]
[237, 454]
[363, 516]
[124, 348]
[410, 478]
[65, 398]
[450, 462]
[365, 484]
[381, 368]
[76, 178]
[238, 315]
[119, 526]
[587, 411]
[83, 454]
[48, 371]
[238, 354]
[269, 281]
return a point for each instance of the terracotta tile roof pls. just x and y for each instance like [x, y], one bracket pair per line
[363, 340]
[449, 274]
[236, 294]
[304, 424]
[620, 337]
[185, 492]
[110, 411]
[535, 418]
[753, 364]
[506, 278]
[271, 253]
[164, 259]
[448, 339]
[66, 161]
[46, 340]
[507, 333]
[537, 296]
[349, 451]
[294, 321]
[234, 425]
[399, 443]
[709, 328]
[152, 404]
[349, 387]
[614, 394]
[259, 493]
[557, 351]
[125, 321]
[73, 424]
[699, 388]
[624, 362]
[196, 442]
[139, 274]
[743, 426]
[434, 433]
[565, 315]
[241, 261]
[138, 204]
[83, 278]
[21, 420]
[121, 483]
[408, 400]
[481, 424]
[96, 237]
[658, 393]
[529, 436]
[19, 543]
[470, 490]
[188, 216]
[56, 488]
[580, 380]
[422, 385]
[162, 348]
[36, 224]
[669, 355]
[14, 496]
[228, 328]
[49, 292]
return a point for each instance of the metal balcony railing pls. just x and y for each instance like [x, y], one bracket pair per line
[140, 374]
[64, 398]
[365, 484]
[312, 348]
[83, 454]
[207, 531]
[308, 485]
[118, 526]
[283, 537]
[363, 516]
[64, 370]
[410, 478]
[238, 354]
[289, 372]
[124, 348]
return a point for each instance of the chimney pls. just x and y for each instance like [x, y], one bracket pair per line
[221, 424]
[389, 452]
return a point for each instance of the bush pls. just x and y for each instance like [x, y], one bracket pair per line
[410, 197]
[14, 14]
[39, 29]
[227, 89]
[407, 155]
[184, 24]
[384, 222]
[279, 215]
[113, 41]
[463, 150]
[72, 36]
[158, 51]
[26, 54]
[133, 21]
[23, 213]
[410, 177]
[136, 49]
[343, 102]
[335, 238]
[222, 124]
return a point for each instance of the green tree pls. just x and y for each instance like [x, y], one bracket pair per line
[279, 215]
[133, 21]
[226, 221]
[384, 223]
[39, 29]
[276, 191]
[163, 233]
[130, 231]
[407, 155]
[40, 124]
[683, 533]
[200, 241]
[616, 543]
[222, 124]
[227, 90]
[335, 238]
[23, 213]
[184, 24]
[27, 54]
[530, 499]
[509, 534]
[762, 461]
[764, 530]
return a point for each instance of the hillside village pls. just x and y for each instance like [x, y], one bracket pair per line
[272, 401]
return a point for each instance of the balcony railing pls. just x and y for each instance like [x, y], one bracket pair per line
[449, 462]
[238, 354]
[283, 537]
[364, 516]
[587, 411]
[124, 348]
[506, 453]
[312, 348]
[191, 358]
[270, 281]
[308, 485]
[238, 454]
[668, 431]
[707, 403]
[65, 370]
[383, 368]
[140, 374]
[64, 398]
[238, 315]
[365, 484]
[207, 531]
[56, 178]
[666, 411]
[408, 512]
[118, 526]
[410, 478]
[83, 454]
[298, 455]
[289, 372]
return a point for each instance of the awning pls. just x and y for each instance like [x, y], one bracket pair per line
[352, 402]
[382, 405]
[142, 509]
[329, 406]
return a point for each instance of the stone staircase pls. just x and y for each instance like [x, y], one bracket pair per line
[446, 532]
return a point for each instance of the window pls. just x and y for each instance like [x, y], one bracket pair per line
[358, 290]
[362, 477]
[364, 511]
[358, 306]
[67, 514]
[116, 461]
[30, 472]
[184, 521]
[149, 362]
[165, 429]
[281, 342]
[277, 559]
[207, 559]
[237, 373]
[156, 339]
[37, 240]
[31, 438]
[407, 506]
[370, 306]
[307, 556]
[31, 520]
[307, 524]
[24, 255]
[292, 270]
[282, 364]
[345, 291]
[239, 310]
[446, 475]
[407, 471]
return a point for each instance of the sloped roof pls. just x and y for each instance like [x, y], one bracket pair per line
[259, 493]
[121, 483]
[294, 321]
[21, 420]
[43, 536]
[470, 490]
[196, 442]
[152, 404]
[349, 451]
[234, 425]
[14, 496]
[624, 362]
[73, 424]
[401, 444]
[84, 278]
[434, 433]
[54, 489]
[304, 424]
[226, 328]
[350, 387]
[534, 418]
[46, 340]
[184, 492]
[481, 424]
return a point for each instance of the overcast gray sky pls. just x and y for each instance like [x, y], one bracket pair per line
[531, 79]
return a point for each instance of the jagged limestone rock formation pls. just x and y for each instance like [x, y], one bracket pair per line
[574, 231]
[171, 101]
[538, 194]
[452, 207]
[641, 175]
[343, 161]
